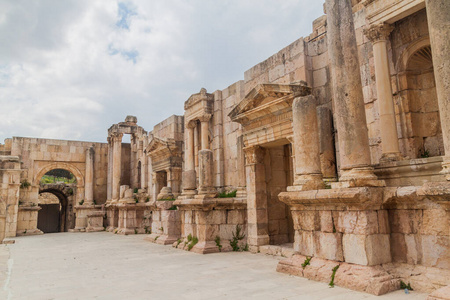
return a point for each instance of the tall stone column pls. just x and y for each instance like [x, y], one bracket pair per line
[204, 121]
[327, 145]
[347, 91]
[307, 169]
[439, 27]
[189, 182]
[205, 169]
[379, 35]
[109, 174]
[89, 180]
[257, 216]
[117, 160]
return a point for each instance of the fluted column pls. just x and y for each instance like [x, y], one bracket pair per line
[117, 157]
[351, 123]
[439, 27]
[89, 178]
[379, 35]
[189, 181]
[307, 169]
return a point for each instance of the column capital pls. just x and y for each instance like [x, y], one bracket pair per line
[378, 32]
[191, 124]
[116, 136]
[205, 118]
[254, 155]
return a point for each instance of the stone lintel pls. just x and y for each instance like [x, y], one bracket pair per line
[369, 279]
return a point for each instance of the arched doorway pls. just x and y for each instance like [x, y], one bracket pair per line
[57, 189]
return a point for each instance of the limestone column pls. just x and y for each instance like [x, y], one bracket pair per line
[327, 146]
[257, 216]
[189, 182]
[117, 160]
[89, 179]
[204, 121]
[439, 27]
[109, 168]
[379, 35]
[348, 97]
[205, 169]
[307, 167]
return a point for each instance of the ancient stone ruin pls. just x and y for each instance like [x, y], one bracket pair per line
[334, 153]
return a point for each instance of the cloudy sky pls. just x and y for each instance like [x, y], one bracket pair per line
[69, 69]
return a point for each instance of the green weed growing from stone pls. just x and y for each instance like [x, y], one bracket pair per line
[306, 262]
[237, 236]
[217, 240]
[331, 284]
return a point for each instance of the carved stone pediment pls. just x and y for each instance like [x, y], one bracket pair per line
[157, 145]
[199, 105]
[164, 153]
[267, 99]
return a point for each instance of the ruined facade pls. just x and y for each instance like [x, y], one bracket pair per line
[337, 148]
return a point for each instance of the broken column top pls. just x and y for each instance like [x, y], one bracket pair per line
[131, 119]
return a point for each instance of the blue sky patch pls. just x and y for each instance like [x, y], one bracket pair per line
[125, 12]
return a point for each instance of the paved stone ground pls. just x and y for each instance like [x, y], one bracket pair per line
[107, 266]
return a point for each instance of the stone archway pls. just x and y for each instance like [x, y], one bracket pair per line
[57, 217]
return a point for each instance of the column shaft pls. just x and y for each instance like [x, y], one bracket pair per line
[89, 178]
[189, 182]
[306, 142]
[347, 92]
[117, 157]
[109, 174]
[439, 27]
[205, 132]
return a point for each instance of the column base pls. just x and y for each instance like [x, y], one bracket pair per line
[446, 167]
[307, 183]
[205, 247]
[388, 157]
[369, 279]
[29, 232]
[358, 177]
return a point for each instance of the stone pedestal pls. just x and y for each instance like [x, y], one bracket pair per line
[205, 219]
[95, 221]
[81, 220]
[166, 224]
[27, 220]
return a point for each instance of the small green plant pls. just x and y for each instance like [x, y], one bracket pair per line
[135, 190]
[168, 199]
[245, 247]
[25, 231]
[173, 207]
[424, 153]
[147, 199]
[70, 192]
[217, 240]
[81, 202]
[334, 228]
[306, 262]
[24, 184]
[192, 243]
[95, 202]
[189, 237]
[327, 186]
[136, 199]
[156, 237]
[237, 236]
[147, 230]
[20, 202]
[231, 194]
[178, 242]
[405, 286]
[161, 228]
[331, 284]
[33, 204]
[135, 231]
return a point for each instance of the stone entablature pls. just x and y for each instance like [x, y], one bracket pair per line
[390, 11]
[199, 106]
[165, 153]
[266, 112]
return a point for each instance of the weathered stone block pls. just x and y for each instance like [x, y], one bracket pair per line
[304, 242]
[435, 222]
[328, 245]
[366, 249]
[326, 221]
[404, 220]
[306, 220]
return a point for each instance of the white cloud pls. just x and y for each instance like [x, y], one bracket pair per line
[70, 69]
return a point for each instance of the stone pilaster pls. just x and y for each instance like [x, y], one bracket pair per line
[89, 178]
[379, 35]
[307, 168]
[117, 158]
[351, 123]
[439, 27]
[258, 229]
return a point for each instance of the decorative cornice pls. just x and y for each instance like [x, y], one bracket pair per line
[378, 32]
